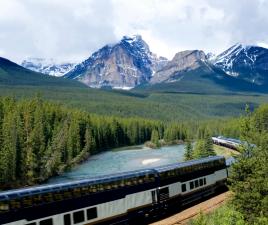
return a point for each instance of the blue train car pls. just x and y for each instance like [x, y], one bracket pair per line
[113, 199]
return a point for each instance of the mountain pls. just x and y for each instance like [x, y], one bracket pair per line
[193, 71]
[249, 63]
[182, 63]
[123, 65]
[47, 66]
[14, 74]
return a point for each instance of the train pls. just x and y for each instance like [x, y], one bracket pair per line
[227, 142]
[115, 198]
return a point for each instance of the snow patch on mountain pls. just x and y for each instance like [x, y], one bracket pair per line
[47, 66]
[246, 62]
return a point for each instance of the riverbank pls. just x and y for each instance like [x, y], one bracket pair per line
[163, 143]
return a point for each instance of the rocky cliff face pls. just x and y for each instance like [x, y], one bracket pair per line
[123, 65]
[182, 62]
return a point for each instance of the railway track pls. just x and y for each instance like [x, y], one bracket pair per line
[183, 217]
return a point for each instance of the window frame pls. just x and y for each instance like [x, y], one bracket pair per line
[46, 220]
[183, 187]
[75, 214]
[196, 183]
[191, 185]
[95, 213]
[201, 182]
[69, 219]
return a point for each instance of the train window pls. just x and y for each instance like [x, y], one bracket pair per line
[108, 186]
[79, 216]
[101, 187]
[27, 202]
[4, 206]
[58, 196]
[201, 182]
[92, 213]
[15, 204]
[196, 183]
[115, 184]
[67, 194]
[76, 192]
[183, 187]
[205, 181]
[46, 222]
[122, 184]
[191, 185]
[37, 199]
[67, 219]
[48, 198]
[34, 223]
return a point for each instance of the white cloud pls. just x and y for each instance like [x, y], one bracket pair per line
[264, 45]
[73, 29]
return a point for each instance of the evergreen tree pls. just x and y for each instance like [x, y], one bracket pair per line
[9, 149]
[188, 155]
[73, 142]
[39, 139]
[199, 150]
[208, 146]
[155, 138]
[249, 180]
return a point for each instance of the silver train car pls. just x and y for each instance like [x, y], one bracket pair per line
[227, 142]
[114, 199]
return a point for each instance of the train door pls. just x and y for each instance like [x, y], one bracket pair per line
[163, 194]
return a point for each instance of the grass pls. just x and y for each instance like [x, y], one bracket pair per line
[226, 152]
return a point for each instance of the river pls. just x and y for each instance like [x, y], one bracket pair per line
[123, 159]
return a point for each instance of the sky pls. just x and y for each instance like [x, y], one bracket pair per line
[71, 30]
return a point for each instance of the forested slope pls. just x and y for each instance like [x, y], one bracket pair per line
[13, 74]
[40, 139]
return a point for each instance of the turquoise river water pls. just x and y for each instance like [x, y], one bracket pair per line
[123, 159]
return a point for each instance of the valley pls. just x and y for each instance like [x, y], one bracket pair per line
[155, 105]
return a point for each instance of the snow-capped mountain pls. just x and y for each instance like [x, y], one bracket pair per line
[47, 66]
[245, 62]
[123, 65]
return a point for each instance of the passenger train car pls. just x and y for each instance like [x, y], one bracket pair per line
[113, 199]
[227, 142]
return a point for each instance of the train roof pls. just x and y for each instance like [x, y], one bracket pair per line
[99, 179]
[228, 139]
[72, 184]
[188, 163]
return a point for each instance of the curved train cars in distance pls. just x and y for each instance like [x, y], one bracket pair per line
[227, 142]
[114, 199]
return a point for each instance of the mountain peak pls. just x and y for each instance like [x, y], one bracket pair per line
[124, 65]
[131, 38]
[182, 62]
[247, 62]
